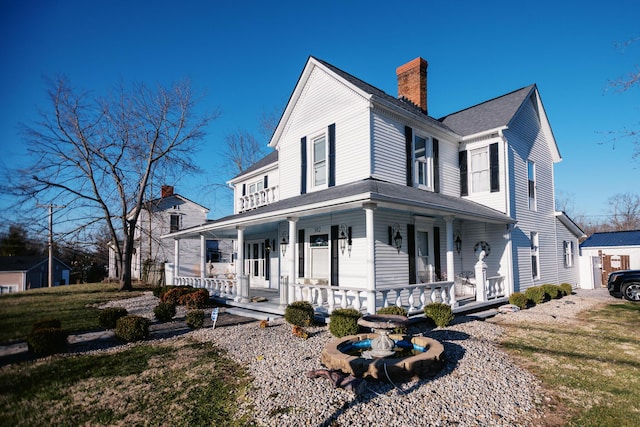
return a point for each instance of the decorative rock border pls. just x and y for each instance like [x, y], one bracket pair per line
[425, 364]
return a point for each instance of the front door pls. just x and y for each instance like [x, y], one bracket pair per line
[319, 256]
[256, 264]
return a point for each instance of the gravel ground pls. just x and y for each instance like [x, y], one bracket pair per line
[478, 386]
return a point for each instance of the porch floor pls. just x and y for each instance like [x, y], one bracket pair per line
[270, 307]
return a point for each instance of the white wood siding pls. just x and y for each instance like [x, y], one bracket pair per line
[324, 101]
[392, 268]
[527, 142]
[496, 200]
[567, 274]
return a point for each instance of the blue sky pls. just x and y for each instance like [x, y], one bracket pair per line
[246, 56]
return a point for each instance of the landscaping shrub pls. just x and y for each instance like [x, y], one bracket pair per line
[566, 289]
[535, 294]
[344, 321]
[518, 299]
[164, 311]
[198, 298]
[299, 313]
[195, 319]
[132, 328]
[173, 295]
[440, 313]
[393, 309]
[46, 341]
[46, 323]
[109, 316]
[551, 291]
[159, 291]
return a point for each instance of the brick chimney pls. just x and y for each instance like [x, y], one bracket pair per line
[412, 82]
[166, 191]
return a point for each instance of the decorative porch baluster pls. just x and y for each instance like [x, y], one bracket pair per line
[411, 300]
[399, 297]
[331, 299]
[357, 304]
[343, 296]
[385, 299]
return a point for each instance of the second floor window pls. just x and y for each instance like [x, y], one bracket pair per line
[254, 187]
[531, 173]
[480, 170]
[319, 161]
[174, 223]
[423, 157]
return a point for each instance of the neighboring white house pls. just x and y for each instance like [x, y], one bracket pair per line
[367, 200]
[603, 253]
[169, 213]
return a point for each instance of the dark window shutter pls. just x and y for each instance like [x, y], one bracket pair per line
[300, 253]
[494, 167]
[332, 155]
[334, 256]
[411, 251]
[436, 252]
[436, 165]
[244, 189]
[464, 182]
[267, 259]
[408, 141]
[266, 182]
[303, 165]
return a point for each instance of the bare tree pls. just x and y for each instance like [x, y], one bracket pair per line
[97, 156]
[242, 150]
[625, 212]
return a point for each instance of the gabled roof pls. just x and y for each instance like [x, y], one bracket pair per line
[612, 238]
[24, 263]
[571, 225]
[178, 196]
[365, 89]
[492, 114]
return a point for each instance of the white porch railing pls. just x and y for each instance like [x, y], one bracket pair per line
[217, 286]
[263, 197]
[412, 298]
[496, 287]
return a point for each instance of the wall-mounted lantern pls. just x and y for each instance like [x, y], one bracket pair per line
[397, 238]
[284, 243]
[344, 238]
[458, 243]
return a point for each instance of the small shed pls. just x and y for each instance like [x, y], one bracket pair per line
[19, 273]
[603, 253]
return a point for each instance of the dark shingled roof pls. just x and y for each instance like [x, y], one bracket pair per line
[490, 114]
[265, 161]
[613, 238]
[380, 191]
[20, 263]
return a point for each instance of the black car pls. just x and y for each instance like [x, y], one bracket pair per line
[625, 283]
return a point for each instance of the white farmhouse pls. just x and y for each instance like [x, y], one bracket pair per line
[368, 201]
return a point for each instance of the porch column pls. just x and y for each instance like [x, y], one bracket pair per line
[293, 247]
[203, 255]
[450, 267]
[371, 253]
[176, 258]
[242, 281]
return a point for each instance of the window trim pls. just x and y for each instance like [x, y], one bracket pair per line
[486, 169]
[314, 163]
[426, 160]
[568, 253]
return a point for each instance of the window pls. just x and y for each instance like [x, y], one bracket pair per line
[319, 161]
[531, 173]
[254, 187]
[479, 170]
[174, 224]
[568, 253]
[423, 158]
[534, 255]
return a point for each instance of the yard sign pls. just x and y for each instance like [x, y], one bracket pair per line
[214, 316]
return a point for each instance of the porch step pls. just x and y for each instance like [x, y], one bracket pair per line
[252, 314]
[482, 315]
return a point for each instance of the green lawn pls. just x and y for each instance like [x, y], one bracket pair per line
[592, 370]
[74, 305]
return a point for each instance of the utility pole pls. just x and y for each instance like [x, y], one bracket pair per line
[51, 207]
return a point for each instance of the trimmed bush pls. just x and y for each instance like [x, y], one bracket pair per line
[164, 311]
[440, 313]
[132, 328]
[195, 299]
[519, 299]
[46, 341]
[551, 291]
[566, 289]
[344, 321]
[195, 319]
[173, 295]
[109, 316]
[46, 324]
[299, 313]
[393, 309]
[535, 294]
[159, 291]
